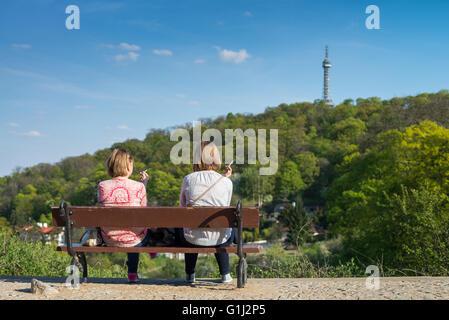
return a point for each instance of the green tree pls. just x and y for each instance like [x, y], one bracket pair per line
[163, 189]
[85, 193]
[296, 218]
[251, 185]
[308, 167]
[5, 226]
[288, 181]
[23, 206]
[360, 199]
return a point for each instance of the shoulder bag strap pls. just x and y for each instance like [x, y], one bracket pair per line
[207, 190]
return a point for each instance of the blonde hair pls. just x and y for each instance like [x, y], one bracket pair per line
[118, 163]
[206, 157]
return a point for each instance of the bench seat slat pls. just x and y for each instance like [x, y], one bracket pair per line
[232, 249]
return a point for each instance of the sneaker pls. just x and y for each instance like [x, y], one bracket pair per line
[133, 277]
[226, 278]
[190, 278]
[153, 255]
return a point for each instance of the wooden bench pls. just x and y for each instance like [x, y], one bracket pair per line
[238, 217]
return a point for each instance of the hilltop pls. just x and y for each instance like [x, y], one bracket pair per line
[365, 156]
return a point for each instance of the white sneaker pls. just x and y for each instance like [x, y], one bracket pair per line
[190, 278]
[226, 278]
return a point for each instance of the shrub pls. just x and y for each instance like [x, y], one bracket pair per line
[21, 258]
[33, 258]
[422, 234]
[279, 263]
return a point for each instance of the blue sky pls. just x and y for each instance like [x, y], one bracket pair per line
[137, 65]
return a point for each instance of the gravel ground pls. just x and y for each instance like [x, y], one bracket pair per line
[18, 288]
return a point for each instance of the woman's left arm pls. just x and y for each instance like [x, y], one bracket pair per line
[182, 198]
[230, 193]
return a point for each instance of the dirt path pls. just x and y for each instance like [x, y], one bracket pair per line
[343, 288]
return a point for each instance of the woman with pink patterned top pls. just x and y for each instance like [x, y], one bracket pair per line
[121, 191]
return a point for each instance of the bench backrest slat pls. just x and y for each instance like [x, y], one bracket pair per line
[158, 217]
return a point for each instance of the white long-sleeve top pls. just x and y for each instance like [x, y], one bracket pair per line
[193, 185]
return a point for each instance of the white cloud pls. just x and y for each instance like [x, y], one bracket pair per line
[133, 56]
[180, 95]
[130, 47]
[233, 56]
[129, 56]
[122, 127]
[21, 46]
[193, 103]
[162, 52]
[32, 134]
[81, 107]
[199, 61]
[120, 57]
[13, 124]
[118, 139]
[247, 14]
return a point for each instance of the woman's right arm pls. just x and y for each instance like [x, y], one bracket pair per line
[143, 201]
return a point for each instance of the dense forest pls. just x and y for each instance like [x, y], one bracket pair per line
[378, 168]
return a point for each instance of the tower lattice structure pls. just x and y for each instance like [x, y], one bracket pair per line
[326, 66]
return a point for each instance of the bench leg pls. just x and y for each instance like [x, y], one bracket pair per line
[75, 263]
[83, 261]
[242, 272]
[243, 266]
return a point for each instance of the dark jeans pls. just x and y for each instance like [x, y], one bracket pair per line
[133, 257]
[191, 258]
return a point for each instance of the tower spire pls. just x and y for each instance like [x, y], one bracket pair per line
[326, 66]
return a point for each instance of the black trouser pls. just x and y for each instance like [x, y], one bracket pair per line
[191, 258]
[133, 257]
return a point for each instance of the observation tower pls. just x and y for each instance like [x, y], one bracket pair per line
[326, 66]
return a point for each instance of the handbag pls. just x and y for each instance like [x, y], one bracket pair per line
[162, 237]
[92, 237]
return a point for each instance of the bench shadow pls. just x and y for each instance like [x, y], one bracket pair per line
[24, 290]
[223, 213]
[27, 279]
[212, 284]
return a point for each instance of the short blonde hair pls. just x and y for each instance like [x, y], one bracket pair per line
[118, 162]
[206, 157]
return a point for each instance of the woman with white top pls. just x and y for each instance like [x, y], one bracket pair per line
[206, 187]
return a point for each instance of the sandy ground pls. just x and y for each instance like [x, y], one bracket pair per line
[18, 288]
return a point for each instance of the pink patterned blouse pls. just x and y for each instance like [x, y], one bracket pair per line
[123, 193]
